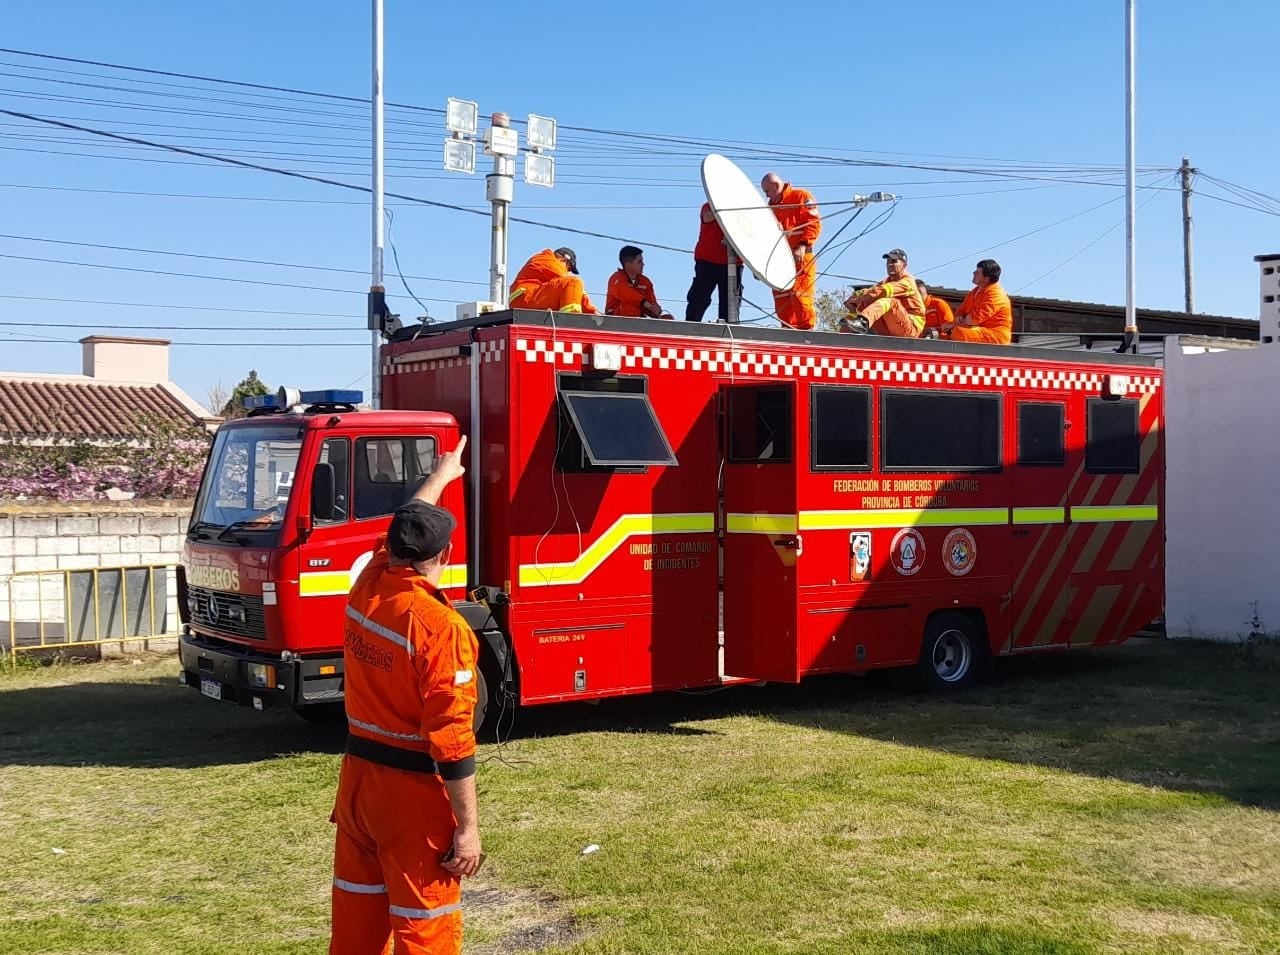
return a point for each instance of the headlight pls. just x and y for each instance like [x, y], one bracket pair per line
[262, 675]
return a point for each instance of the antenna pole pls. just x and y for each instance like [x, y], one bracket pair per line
[499, 187]
[376, 289]
[1130, 185]
[731, 290]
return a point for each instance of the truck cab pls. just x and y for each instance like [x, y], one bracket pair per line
[293, 500]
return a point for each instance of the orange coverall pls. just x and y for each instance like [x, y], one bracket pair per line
[410, 668]
[894, 307]
[937, 312]
[628, 300]
[991, 312]
[799, 218]
[546, 283]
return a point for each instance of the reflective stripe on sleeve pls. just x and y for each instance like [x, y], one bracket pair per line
[391, 734]
[359, 888]
[408, 913]
[379, 629]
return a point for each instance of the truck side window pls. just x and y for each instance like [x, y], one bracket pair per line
[760, 426]
[1113, 445]
[939, 431]
[608, 425]
[388, 471]
[335, 458]
[1041, 435]
[840, 433]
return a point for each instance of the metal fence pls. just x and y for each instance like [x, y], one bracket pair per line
[79, 611]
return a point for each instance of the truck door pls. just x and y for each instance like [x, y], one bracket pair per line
[1042, 464]
[760, 448]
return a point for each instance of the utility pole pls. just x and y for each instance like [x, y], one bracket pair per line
[1131, 211]
[499, 189]
[377, 292]
[1188, 279]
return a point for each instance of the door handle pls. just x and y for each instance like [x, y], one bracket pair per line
[795, 543]
[1023, 532]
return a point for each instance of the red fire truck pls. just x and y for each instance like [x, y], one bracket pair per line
[655, 506]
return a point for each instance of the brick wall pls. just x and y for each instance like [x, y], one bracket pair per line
[58, 537]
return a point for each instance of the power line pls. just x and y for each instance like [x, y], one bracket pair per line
[180, 328]
[194, 308]
[194, 275]
[326, 181]
[224, 258]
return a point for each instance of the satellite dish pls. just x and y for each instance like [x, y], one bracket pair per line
[748, 222]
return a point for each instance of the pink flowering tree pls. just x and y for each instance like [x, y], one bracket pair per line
[163, 461]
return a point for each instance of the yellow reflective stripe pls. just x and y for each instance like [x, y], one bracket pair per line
[333, 583]
[760, 523]
[1126, 512]
[520, 290]
[325, 584]
[455, 575]
[628, 525]
[571, 308]
[903, 517]
[1039, 515]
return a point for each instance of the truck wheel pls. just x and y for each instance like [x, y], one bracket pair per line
[480, 721]
[322, 713]
[953, 652]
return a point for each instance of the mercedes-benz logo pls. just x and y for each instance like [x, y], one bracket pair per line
[215, 609]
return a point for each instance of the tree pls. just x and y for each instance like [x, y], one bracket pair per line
[830, 307]
[217, 398]
[250, 387]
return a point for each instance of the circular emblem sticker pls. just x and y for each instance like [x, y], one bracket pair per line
[959, 551]
[907, 552]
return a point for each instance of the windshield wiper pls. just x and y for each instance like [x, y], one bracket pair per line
[199, 527]
[245, 526]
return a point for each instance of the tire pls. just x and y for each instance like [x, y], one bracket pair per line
[953, 653]
[322, 714]
[480, 724]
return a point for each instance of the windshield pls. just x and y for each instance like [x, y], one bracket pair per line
[248, 481]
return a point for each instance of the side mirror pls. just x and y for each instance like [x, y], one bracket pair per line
[323, 501]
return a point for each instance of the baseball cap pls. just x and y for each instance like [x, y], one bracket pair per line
[572, 256]
[895, 254]
[419, 531]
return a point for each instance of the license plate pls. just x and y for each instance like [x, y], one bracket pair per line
[211, 688]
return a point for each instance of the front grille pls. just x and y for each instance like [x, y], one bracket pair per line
[229, 613]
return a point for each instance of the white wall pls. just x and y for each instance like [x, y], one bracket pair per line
[1222, 550]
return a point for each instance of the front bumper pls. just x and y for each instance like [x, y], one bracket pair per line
[299, 681]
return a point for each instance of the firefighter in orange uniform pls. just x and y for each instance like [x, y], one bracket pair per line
[630, 292]
[406, 805]
[986, 314]
[937, 312]
[798, 215]
[893, 307]
[550, 280]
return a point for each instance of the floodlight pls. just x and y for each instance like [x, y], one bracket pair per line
[539, 170]
[460, 155]
[501, 141]
[461, 116]
[542, 132]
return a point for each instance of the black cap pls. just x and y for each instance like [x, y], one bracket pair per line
[571, 256]
[895, 254]
[419, 531]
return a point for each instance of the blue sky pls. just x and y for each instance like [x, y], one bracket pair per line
[1005, 86]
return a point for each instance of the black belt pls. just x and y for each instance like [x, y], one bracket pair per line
[411, 760]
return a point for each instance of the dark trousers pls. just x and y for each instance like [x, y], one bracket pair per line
[708, 276]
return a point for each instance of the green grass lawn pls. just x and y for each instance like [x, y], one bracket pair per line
[1118, 801]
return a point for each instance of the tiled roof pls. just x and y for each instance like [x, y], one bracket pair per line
[73, 407]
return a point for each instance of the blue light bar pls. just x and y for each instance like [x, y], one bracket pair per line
[332, 396]
[262, 403]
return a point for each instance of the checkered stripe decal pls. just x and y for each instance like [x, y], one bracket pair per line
[745, 362]
[493, 351]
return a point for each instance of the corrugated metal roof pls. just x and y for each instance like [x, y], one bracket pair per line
[51, 407]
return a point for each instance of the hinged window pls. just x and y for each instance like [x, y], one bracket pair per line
[939, 431]
[1112, 445]
[609, 423]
